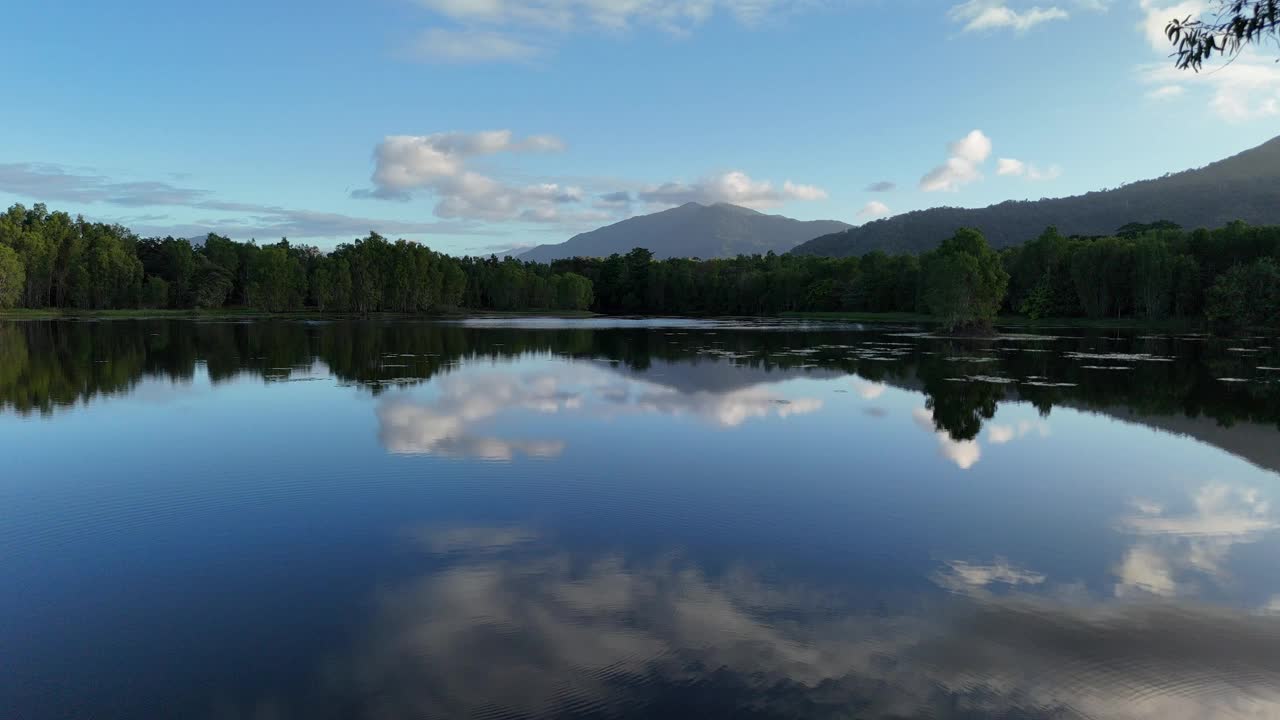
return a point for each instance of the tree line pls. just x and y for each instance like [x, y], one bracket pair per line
[1228, 276]
[52, 260]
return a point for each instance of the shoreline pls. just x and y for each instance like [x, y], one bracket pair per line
[1009, 321]
[888, 317]
[141, 314]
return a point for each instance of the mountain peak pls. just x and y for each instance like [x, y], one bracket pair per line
[691, 230]
[735, 208]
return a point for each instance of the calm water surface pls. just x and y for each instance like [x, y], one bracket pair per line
[546, 518]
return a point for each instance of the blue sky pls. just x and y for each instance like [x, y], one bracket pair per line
[479, 125]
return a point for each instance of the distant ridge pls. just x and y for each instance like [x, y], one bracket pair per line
[691, 230]
[1242, 187]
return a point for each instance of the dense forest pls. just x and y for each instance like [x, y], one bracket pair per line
[1229, 276]
[49, 259]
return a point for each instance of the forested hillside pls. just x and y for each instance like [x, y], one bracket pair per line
[1243, 187]
[1229, 276]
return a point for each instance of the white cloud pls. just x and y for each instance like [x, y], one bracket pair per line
[961, 168]
[471, 540]
[499, 30]
[517, 625]
[726, 410]
[999, 434]
[874, 209]
[1051, 173]
[242, 221]
[964, 453]
[1009, 166]
[1018, 168]
[1156, 16]
[1198, 542]
[950, 176]
[974, 147]
[448, 425]
[980, 15]
[1220, 511]
[796, 191]
[869, 390]
[465, 46]
[676, 16]
[961, 576]
[1146, 570]
[438, 164]
[454, 422]
[409, 162]
[1147, 507]
[664, 392]
[1167, 92]
[735, 187]
[1244, 90]
[1247, 89]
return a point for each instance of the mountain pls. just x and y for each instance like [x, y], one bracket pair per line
[1242, 187]
[691, 230]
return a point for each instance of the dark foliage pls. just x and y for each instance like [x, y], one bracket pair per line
[1234, 25]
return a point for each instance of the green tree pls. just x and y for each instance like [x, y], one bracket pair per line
[1088, 273]
[1187, 290]
[454, 283]
[323, 286]
[1246, 296]
[155, 292]
[277, 281]
[341, 285]
[1152, 278]
[13, 277]
[211, 285]
[573, 292]
[964, 281]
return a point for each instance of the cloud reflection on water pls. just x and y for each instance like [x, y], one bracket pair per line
[999, 434]
[1193, 545]
[452, 423]
[964, 453]
[528, 630]
[447, 426]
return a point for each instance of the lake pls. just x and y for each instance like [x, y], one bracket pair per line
[635, 518]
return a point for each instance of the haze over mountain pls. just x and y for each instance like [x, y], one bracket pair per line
[1242, 187]
[691, 230]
